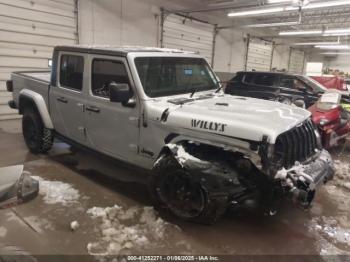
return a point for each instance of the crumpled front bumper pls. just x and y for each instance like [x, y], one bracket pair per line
[302, 180]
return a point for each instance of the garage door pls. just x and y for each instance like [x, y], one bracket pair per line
[29, 29]
[259, 56]
[190, 35]
[296, 61]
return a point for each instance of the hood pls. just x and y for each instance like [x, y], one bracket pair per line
[233, 116]
[319, 114]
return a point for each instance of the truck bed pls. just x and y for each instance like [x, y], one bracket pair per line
[43, 76]
[37, 81]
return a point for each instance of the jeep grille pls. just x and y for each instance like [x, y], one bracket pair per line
[297, 144]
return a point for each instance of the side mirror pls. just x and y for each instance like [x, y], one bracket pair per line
[120, 93]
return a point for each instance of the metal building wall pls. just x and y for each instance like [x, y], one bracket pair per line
[259, 55]
[29, 29]
[296, 61]
[191, 35]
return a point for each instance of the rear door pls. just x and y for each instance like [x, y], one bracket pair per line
[67, 98]
[112, 128]
[260, 85]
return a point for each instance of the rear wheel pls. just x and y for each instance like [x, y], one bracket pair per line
[38, 138]
[175, 189]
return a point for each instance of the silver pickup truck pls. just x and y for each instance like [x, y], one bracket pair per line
[164, 111]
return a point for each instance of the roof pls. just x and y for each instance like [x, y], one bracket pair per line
[266, 72]
[116, 50]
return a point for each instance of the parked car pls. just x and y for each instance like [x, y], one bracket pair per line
[333, 82]
[162, 110]
[331, 118]
[285, 88]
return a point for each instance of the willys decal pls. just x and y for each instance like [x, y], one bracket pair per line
[208, 125]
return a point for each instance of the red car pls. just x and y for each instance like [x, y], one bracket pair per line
[332, 82]
[332, 120]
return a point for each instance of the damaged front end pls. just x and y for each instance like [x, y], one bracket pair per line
[291, 168]
[298, 165]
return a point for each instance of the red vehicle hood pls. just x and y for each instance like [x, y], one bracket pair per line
[318, 114]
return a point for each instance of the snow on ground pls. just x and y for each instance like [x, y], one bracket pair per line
[333, 232]
[330, 229]
[123, 229]
[3, 231]
[342, 174]
[56, 192]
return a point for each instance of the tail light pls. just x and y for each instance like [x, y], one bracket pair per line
[9, 85]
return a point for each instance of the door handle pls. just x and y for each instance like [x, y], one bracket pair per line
[93, 109]
[62, 100]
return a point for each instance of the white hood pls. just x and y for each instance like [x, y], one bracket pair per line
[234, 116]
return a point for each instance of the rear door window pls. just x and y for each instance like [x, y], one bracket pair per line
[248, 78]
[264, 80]
[287, 81]
[71, 72]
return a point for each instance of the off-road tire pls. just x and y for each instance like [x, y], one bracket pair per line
[215, 204]
[38, 139]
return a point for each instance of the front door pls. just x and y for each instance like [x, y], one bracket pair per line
[112, 128]
[67, 97]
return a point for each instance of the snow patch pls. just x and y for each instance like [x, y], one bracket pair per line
[342, 174]
[56, 192]
[74, 225]
[330, 233]
[3, 231]
[124, 229]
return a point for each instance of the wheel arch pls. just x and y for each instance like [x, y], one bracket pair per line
[31, 99]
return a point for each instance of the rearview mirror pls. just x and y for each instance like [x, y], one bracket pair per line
[120, 93]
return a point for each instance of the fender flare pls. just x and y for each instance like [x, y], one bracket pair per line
[40, 103]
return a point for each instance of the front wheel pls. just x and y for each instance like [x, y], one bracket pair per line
[38, 138]
[178, 191]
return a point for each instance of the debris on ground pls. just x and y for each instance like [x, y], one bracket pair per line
[123, 229]
[74, 225]
[56, 192]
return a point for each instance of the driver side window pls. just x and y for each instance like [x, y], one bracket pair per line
[105, 72]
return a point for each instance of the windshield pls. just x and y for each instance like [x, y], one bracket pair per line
[316, 86]
[166, 76]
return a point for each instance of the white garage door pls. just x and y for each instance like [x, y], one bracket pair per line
[189, 35]
[259, 55]
[29, 29]
[296, 61]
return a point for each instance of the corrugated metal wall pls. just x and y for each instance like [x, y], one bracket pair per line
[296, 61]
[259, 56]
[29, 29]
[190, 35]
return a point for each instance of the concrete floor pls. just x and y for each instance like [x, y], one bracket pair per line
[42, 228]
